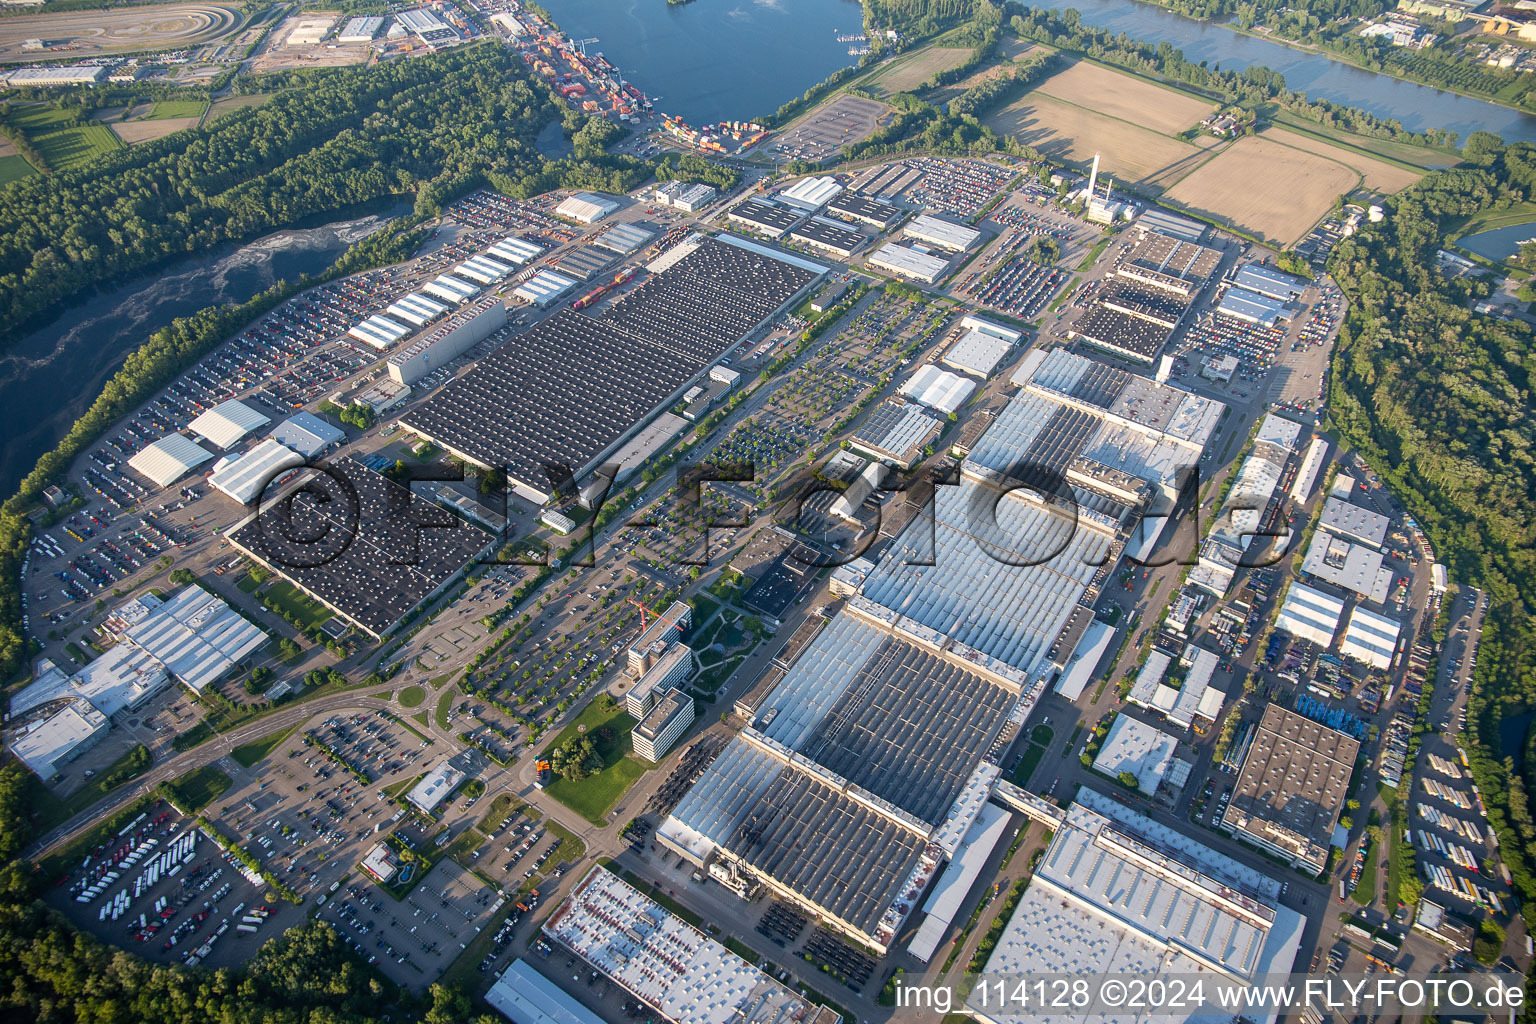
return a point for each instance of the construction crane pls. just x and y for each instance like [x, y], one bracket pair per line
[645, 617]
[583, 43]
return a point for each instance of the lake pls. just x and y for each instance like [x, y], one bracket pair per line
[1498, 244]
[51, 375]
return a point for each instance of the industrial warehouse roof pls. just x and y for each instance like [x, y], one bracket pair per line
[624, 238]
[1269, 282]
[544, 287]
[938, 389]
[524, 996]
[482, 269]
[940, 232]
[768, 218]
[1350, 520]
[454, 289]
[379, 331]
[572, 386]
[1171, 224]
[811, 193]
[1251, 307]
[978, 352]
[1355, 567]
[824, 234]
[58, 738]
[243, 477]
[196, 636]
[667, 963]
[416, 309]
[908, 262]
[228, 422]
[307, 433]
[1109, 434]
[586, 207]
[898, 431]
[1136, 747]
[360, 30]
[865, 744]
[1293, 784]
[169, 459]
[1004, 584]
[515, 251]
[383, 563]
[1116, 893]
[852, 206]
[1310, 614]
[120, 680]
[1120, 332]
[1370, 638]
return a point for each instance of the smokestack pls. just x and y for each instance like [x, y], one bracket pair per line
[1093, 177]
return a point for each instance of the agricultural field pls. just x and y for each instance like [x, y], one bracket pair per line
[1115, 94]
[167, 110]
[907, 73]
[1004, 67]
[1062, 130]
[72, 147]
[14, 167]
[230, 103]
[1274, 192]
[1378, 175]
[121, 29]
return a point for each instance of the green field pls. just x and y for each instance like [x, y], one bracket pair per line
[249, 753]
[594, 796]
[200, 787]
[167, 109]
[14, 168]
[291, 602]
[412, 696]
[75, 146]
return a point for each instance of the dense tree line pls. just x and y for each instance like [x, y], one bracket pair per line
[1250, 87]
[431, 125]
[1439, 400]
[980, 98]
[687, 167]
[918, 19]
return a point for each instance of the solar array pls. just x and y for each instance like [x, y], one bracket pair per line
[567, 389]
[402, 547]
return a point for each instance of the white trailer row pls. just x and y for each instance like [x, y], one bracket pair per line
[170, 862]
[1444, 767]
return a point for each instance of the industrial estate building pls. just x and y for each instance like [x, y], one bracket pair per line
[228, 422]
[555, 401]
[586, 207]
[1292, 787]
[666, 963]
[193, 638]
[766, 218]
[452, 338]
[307, 434]
[905, 261]
[942, 233]
[938, 389]
[1119, 894]
[1250, 504]
[167, 460]
[397, 549]
[897, 432]
[863, 210]
[981, 349]
[1142, 303]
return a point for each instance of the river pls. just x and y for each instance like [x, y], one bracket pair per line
[1417, 107]
[50, 376]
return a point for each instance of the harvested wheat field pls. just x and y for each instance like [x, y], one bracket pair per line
[907, 73]
[145, 130]
[1379, 175]
[1271, 191]
[1065, 131]
[1127, 97]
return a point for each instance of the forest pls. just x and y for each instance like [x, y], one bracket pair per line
[1438, 400]
[431, 126]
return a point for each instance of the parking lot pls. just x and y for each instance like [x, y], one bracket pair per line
[163, 889]
[413, 940]
[841, 122]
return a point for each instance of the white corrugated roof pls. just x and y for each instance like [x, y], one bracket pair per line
[244, 477]
[978, 352]
[228, 422]
[938, 389]
[169, 459]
